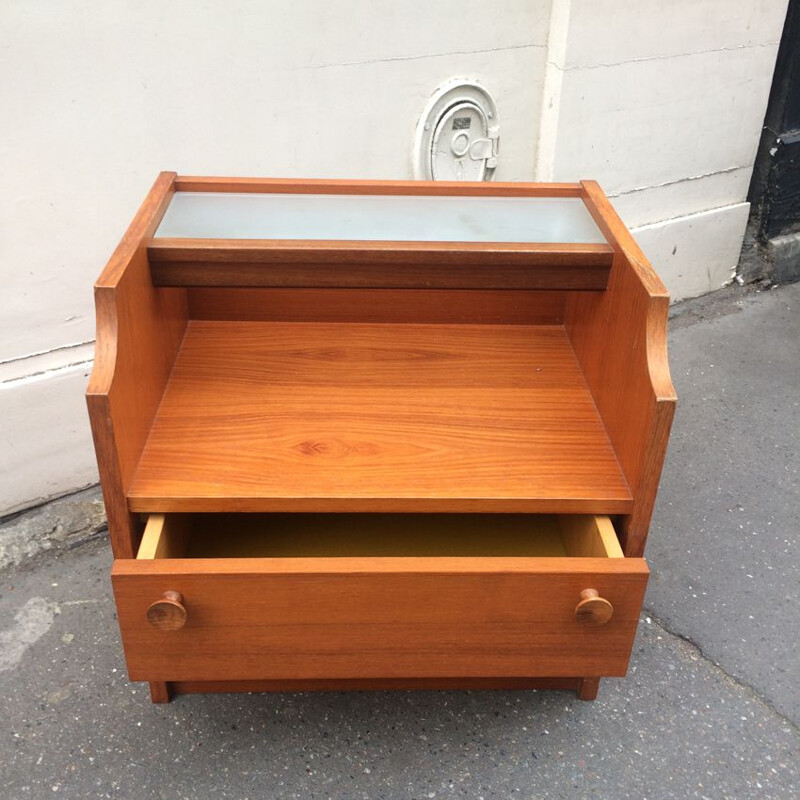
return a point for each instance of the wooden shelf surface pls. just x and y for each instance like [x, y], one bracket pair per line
[283, 416]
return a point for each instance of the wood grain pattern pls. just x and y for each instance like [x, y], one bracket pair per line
[386, 265]
[619, 338]
[184, 183]
[498, 307]
[139, 329]
[377, 617]
[373, 417]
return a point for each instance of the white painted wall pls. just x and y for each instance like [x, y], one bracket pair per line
[661, 102]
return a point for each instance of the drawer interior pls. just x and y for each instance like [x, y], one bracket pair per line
[197, 536]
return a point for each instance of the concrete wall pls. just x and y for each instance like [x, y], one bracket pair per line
[661, 102]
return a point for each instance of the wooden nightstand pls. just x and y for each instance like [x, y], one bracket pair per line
[378, 435]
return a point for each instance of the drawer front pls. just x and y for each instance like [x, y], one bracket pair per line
[257, 618]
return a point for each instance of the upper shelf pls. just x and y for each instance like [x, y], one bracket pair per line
[393, 218]
[366, 235]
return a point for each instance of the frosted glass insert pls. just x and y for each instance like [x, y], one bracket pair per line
[221, 215]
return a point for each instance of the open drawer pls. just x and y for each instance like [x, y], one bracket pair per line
[215, 597]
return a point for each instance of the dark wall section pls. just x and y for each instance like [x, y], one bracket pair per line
[770, 249]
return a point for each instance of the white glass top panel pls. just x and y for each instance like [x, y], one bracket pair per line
[221, 215]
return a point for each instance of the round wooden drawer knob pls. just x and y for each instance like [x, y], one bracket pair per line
[593, 610]
[168, 613]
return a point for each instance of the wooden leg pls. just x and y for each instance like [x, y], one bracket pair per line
[160, 691]
[588, 688]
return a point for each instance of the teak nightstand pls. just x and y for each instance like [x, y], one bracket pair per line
[362, 434]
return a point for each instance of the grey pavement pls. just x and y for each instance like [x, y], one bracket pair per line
[723, 546]
[709, 708]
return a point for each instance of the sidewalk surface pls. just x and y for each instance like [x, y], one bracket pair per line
[710, 707]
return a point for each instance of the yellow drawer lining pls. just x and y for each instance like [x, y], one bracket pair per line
[348, 535]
